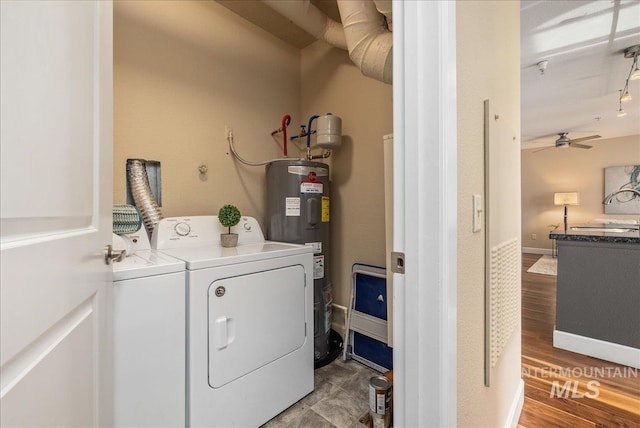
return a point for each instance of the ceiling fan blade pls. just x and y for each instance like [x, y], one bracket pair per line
[539, 150]
[590, 137]
[580, 146]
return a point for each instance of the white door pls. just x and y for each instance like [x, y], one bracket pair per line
[56, 179]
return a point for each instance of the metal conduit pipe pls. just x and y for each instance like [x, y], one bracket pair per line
[370, 43]
[311, 19]
[142, 196]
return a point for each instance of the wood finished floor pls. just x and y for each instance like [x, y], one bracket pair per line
[618, 402]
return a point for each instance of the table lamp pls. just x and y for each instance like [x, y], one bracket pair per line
[566, 199]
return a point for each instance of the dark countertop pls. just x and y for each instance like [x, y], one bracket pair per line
[586, 235]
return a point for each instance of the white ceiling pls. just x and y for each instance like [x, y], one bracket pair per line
[583, 42]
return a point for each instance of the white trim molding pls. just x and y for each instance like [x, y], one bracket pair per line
[425, 220]
[607, 351]
[533, 250]
[516, 407]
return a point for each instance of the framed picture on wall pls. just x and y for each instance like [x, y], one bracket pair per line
[622, 188]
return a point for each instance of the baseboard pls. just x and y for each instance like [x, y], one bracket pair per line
[532, 250]
[516, 407]
[616, 353]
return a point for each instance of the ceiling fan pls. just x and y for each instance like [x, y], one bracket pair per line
[565, 142]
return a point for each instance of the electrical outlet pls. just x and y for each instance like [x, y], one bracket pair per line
[228, 131]
[534, 236]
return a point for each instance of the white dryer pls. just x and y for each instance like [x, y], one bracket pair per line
[149, 336]
[249, 321]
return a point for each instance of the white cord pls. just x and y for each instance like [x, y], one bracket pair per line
[244, 161]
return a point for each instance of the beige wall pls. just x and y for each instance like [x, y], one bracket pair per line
[549, 171]
[183, 70]
[488, 53]
[331, 83]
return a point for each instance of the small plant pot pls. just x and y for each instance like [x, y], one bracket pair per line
[229, 240]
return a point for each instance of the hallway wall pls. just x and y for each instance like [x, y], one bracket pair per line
[488, 55]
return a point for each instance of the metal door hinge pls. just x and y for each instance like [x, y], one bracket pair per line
[397, 262]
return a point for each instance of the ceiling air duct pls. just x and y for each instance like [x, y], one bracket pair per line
[385, 8]
[363, 32]
[310, 18]
[370, 43]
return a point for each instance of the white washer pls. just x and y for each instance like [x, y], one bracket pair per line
[249, 321]
[149, 313]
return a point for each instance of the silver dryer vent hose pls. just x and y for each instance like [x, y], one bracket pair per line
[142, 196]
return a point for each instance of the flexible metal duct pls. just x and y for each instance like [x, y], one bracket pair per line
[370, 43]
[142, 196]
[310, 18]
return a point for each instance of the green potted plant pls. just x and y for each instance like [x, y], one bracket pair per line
[229, 216]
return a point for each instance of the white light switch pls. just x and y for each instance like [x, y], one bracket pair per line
[477, 213]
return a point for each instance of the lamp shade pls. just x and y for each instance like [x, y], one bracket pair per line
[566, 198]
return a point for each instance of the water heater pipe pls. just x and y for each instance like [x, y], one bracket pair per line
[286, 120]
[311, 19]
[370, 43]
[325, 155]
[311, 119]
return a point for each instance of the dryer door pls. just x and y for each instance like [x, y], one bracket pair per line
[254, 319]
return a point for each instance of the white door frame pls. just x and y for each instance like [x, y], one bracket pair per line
[425, 203]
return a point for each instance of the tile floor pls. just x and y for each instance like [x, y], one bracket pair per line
[340, 397]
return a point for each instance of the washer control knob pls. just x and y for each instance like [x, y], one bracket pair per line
[182, 229]
[247, 227]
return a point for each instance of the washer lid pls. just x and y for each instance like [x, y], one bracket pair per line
[213, 255]
[146, 263]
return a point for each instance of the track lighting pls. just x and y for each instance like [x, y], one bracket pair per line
[626, 96]
[634, 74]
[633, 50]
[542, 66]
[621, 112]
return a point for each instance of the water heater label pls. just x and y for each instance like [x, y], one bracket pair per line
[292, 207]
[311, 187]
[325, 209]
[318, 267]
